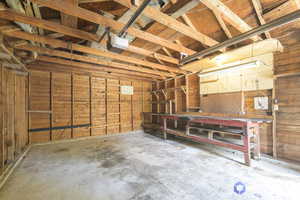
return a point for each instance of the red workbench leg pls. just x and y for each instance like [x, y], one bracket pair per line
[165, 128]
[247, 153]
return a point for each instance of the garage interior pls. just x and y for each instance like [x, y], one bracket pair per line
[149, 99]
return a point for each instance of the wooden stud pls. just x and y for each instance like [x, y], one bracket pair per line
[91, 105]
[72, 104]
[51, 105]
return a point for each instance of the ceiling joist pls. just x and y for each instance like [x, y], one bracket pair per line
[84, 49]
[65, 30]
[220, 8]
[93, 17]
[172, 23]
[72, 56]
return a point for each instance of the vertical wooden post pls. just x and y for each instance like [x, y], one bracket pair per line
[1, 123]
[166, 97]
[29, 108]
[158, 103]
[120, 123]
[91, 104]
[274, 113]
[176, 94]
[131, 99]
[187, 92]
[106, 108]
[51, 105]
[72, 105]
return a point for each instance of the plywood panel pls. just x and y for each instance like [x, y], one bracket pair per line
[137, 105]
[21, 124]
[81, 112]
[126, 109]
[98, 106]
[61, 105]
[39, 96]
[13, 117]
[113, 106]
[288, 118]
[194, 91]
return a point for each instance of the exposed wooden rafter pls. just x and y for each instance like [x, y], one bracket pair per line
[172, 23]
[82, 13]
[222, 24]
[218, 7]
[69, 20]
[61, 65]
[65, 30]
[87, 59]
[76, 47]
[259, 11]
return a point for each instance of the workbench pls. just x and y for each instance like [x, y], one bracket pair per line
[245, 128]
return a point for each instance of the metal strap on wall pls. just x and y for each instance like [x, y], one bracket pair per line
[58, 128]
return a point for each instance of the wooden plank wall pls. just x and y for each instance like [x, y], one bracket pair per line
[78, 105]
[13, 117]
[287, 93]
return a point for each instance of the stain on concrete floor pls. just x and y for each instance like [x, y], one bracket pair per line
[144, 167]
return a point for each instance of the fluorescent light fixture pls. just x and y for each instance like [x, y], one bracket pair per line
[230, 68]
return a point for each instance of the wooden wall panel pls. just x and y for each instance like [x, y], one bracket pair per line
[13, 117]
[39, 92]
[126, 109]
[98, 106]
[81, 112]
[83, 105]
[287, 87]
[1, 119]
[113, 106]
[137, 105]
[288, 117]
[61, 105]
[21, 123]
[194, 91]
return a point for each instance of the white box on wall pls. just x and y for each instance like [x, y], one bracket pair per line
[261, 103]
[127, 89]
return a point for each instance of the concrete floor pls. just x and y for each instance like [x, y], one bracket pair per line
[145, 167]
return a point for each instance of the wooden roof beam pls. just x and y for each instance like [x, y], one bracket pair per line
[87, 59]
[229, 16]
[85, 14]
[69, 20]
[13, 16]
[222, 24]
[76, 47]
[65, 30]
[172, 23]
[62, 65]
[259, 11]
